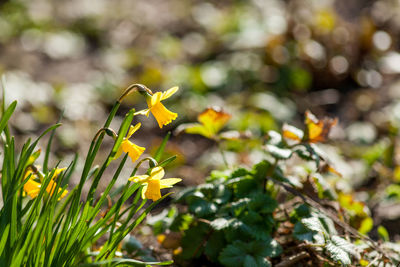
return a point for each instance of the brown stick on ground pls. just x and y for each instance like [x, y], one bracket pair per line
[293, 259]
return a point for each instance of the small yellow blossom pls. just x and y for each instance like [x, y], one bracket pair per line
[153, 183]
[134, 151]
[32, 188]
[159, 111]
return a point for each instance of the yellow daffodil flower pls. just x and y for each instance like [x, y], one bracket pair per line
[212, 120]
[134, 151]
[159, 111]
[32, 188]
[153, 183]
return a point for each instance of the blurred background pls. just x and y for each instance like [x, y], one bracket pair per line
[263, 61]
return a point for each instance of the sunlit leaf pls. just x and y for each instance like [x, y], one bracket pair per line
[339, 249]
[383, 233]
[366, 225]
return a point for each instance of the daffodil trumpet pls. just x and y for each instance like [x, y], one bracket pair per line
[134, 151]
[153, 183]
[162, 115]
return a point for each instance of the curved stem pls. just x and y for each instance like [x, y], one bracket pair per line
[140, 163]
[136, 87]
[107, 130]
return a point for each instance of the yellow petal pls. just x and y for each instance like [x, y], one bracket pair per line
[139, 178]
[162, 114]
[155, 99]
[169, 92]
[153, 190]
[58, 171]
[28, 172]
[52, 186]
[64, 193]
[144, 190]
[132, 130]
[157, 173]
[32, 188]
[169, 182]
[134, 151]
[145, 112]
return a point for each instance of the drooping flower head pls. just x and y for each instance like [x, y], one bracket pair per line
[134, 151]
[159, 111]
[32, 187]
[153, 183]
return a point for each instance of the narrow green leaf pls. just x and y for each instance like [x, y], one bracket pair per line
[6, 115]
[160, 150]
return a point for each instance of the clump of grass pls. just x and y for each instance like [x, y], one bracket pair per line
[45, 222]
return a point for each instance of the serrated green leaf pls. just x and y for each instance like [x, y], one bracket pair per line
[239, 172]
[262, 262]
[251, 217]
[265, 248]
[222, 194]
[274, 138]
[237, 230]
[237, 253]
[302, 233]
[246, 187]
[263, 203]
[343, 244]
[279, 153]
[303, 153]
[338, 249]
[214, 245]
[313, 224]
[219, 224]
[260, 170]
[249, 261]
[202, 208]
[300, 212]
[182, 195]
[192, 241]
[232, 255]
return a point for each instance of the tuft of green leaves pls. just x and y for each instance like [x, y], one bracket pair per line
[48, 230]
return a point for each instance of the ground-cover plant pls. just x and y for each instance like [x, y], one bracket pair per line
[272, 213]
[45, 222]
